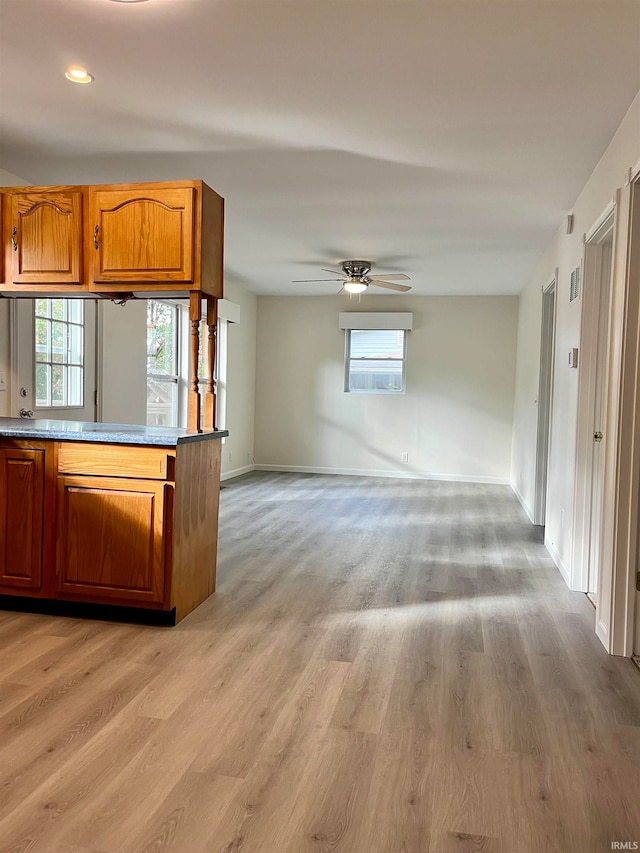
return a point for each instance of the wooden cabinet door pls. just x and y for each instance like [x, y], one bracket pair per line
[142, 236]
[110, 539]
[21, 517]
[45, 233]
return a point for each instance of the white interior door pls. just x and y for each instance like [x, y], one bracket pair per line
[55, 352]
[597, 479]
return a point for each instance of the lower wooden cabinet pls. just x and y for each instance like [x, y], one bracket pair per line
[22, 487]
[113, 524]
[112, 540]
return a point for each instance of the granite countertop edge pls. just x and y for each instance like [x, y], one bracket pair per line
[98, 433]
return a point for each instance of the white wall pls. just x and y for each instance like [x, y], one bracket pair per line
[564, 253]
[6, 180]
[238, 449]
[124, 362]
[455, 419]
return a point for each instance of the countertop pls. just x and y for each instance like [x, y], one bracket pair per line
[101, 433]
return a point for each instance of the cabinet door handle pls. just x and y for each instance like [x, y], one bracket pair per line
[13, 238]
[96, 231]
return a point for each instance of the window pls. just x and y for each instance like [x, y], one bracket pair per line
[163, 374]
[168, 361]
[375, 360]
[59, 352]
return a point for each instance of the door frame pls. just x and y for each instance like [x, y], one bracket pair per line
[545, 397]
[592, 258]
[619, 553]
[619, 541]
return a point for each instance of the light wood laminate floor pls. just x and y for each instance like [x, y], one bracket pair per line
[387, 667]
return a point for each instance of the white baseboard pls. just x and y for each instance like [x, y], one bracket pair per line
[562, 567]
[524, 504]
[603, 635]
[397, 475]
[236, 472]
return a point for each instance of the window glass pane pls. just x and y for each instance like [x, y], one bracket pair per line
[75, 344]
[58, 339]
[161, 338]
[375, 376]
[375, 360]
[76, 310]
[383, 343]
[74, 386]
[162, 363]
[42, 385]
[57, 385]
[42, 339]
[59, 345]
[162, 401]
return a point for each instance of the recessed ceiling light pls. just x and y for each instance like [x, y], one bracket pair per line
[129, 1]
[79, 75]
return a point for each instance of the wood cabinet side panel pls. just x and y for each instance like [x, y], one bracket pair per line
[195, 531]
[210, 243]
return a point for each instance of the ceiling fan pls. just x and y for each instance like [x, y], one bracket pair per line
[356, 278]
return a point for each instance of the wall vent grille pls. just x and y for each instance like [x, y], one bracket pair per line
[574, 289]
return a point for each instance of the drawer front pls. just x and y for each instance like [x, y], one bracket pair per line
[149, 463]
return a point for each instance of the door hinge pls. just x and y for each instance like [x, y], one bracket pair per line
[95, 397]
[638, 581]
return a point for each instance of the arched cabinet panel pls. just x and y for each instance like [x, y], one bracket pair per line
[142, 236]
[46, 237]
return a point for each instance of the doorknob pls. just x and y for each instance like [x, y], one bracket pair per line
[26, 413]
[597, 436]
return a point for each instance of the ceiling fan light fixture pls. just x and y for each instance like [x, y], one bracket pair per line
[79, 75]
[355, 286]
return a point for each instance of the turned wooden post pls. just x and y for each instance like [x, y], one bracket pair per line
[210, 392]
[193, 405]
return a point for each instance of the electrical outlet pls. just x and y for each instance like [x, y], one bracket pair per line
[562, 518]
[404, 457]
[230, 456]
[3, 381]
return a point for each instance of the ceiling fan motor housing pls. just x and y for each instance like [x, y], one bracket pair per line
[356, 269]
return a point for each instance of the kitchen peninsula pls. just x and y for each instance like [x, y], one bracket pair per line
[110, 513]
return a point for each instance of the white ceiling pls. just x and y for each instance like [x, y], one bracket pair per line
[442, 139]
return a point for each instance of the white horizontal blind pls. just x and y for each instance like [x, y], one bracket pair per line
[375, 320]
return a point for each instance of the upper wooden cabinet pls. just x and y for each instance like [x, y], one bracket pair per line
[143, 236]
[116, 238]
[44, 237]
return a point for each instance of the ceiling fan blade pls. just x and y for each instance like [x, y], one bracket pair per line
[306, 280]
[389, 286]
[396, 276]
[337, 272]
